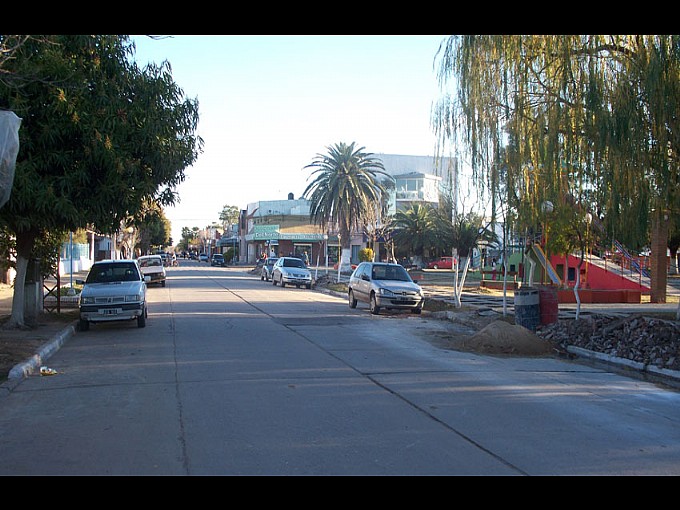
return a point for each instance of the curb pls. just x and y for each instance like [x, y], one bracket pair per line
[643, 371]
[22, 370]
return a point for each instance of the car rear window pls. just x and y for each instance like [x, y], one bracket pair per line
[150, 262]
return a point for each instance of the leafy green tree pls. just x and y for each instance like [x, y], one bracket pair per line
[590, 122]
[189, 236]
[415, 229]
[98, 137]
[229, 216]
[153, 228]
[344, 192]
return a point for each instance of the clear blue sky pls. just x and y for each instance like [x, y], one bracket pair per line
[269, 104]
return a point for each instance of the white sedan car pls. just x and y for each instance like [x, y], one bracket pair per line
[152, 266]
[115, 290]
[291, 271]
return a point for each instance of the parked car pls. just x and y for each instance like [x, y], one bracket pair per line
[152, 266]
[266, 273]
[203, 257]
[384, 285]
[291, 271]
[441, 263]
[167, 261]
[335, 266]
[217, 260]
[115, 290]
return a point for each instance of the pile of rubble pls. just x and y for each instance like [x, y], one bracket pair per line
[648, 340]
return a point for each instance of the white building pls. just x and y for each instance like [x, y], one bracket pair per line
[419, 179]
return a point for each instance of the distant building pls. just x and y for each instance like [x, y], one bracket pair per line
[419, 179]
[283, 227]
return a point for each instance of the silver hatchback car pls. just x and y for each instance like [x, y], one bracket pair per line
[384, 285]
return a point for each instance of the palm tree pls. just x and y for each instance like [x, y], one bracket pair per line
[468, 230]
[344, 192]
[415, 229]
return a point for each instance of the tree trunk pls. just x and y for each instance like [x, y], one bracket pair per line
[344, 264]
[658, 257]
[576, 287]
[25, 241]
[459, 285]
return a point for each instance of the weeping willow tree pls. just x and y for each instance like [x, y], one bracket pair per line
[586, 122]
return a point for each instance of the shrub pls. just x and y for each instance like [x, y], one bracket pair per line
[366, 255]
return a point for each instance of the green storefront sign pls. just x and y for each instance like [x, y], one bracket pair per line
[306, 237]
[271, 232]
[263, 233]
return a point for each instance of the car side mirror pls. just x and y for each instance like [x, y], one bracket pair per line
[80, 282]
[365, 277]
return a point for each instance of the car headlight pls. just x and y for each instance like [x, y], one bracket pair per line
[87, 300]
[385, 292]
[131, 298]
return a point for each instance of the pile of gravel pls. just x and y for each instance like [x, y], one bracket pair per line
[648, 340]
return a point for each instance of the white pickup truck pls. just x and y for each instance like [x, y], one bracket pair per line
[152, 265]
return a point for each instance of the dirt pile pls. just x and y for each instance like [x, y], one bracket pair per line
[500, 337]
[486, 332]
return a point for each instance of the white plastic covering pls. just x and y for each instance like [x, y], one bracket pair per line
[9, 148]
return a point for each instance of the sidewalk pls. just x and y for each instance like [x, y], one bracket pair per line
[24, 351]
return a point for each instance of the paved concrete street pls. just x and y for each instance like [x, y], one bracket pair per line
[233, 376]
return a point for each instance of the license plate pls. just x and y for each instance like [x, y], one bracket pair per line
[109, 311]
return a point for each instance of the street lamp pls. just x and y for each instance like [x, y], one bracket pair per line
[547, 207]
